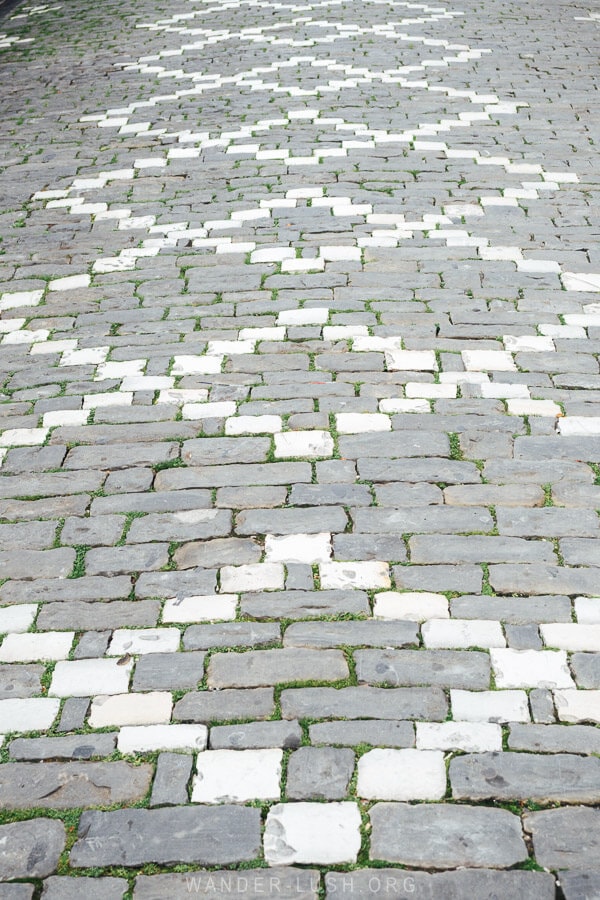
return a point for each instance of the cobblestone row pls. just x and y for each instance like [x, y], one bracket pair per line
[299, 450]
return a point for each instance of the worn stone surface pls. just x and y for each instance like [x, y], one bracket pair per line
[69, 785]
[31, 849]
[565, 838]
[438, 836]
[65, 888]
[517, 776]
[224, 705]
[179, 835]
[256, 734]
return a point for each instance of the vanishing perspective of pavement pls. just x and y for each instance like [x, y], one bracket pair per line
[300, 450]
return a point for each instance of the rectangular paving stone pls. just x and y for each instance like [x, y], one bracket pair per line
[265, 667]
[50, 484]
[232, 634]
[526, 776]
[120, 560]
[285, 734]
[58, 589]
[89, 615]
[225, 705]
[185, 525]
[118, 455]
[73, 746]
[173, 773]
[425, 886]
[297, 520]
[565, 838]
[377, 732]
[233, 475]
[283, 883]
[132, 837]
[555, 738]
[168, 671]
[208, 451]
[31, 849]
[579, 884]
[65, 888]
[547, 522]
[297, 604]
[516, 610]
[586, 668]
[465, 836]
[542, 579]
[439, 578]
[445, 668]
[352, 633]
[20, 681]
[449, 548]
[558, 447]
[364, 702]
[70, 785]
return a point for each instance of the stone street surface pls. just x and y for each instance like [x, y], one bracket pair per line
[300, 450]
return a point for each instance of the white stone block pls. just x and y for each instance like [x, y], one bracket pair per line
[112, 398]
[276, 333]
[401, 775]
[147, 738]
[65, 417]
[298, 548]
[34, 646]
[15, 299]
[316, 315]
[252, 577]
[119, 369]
[312, 833]
[533, 408]
[567, 332]
[217, 410]
[230, 348]
[200, 608]
[376, 344]
[488, 361]
[304, 264]
[84, 677]
[495, 390]
[578, 425]
[411, 361]
[568, 636]
[253, 425]
[344, 332]
[411, 606]
[26, 336]
[52, 347]
[31, 714]
[489, 706]
[578, 706]
[471, 737]
[89, 356]
[310, 444]
[196, 365]
[358, 423]
[587, 610]
[17, 619]
[8, 325]
[236, 776]
[528, 344]
[531, 669]
[354, 575]
[147, 383]
[430, 391]
[153, 708]
[140, 641]
[183, 395]
[23, 437]
[399, 405]
[582, 281]
[70, 283]
[462, 633]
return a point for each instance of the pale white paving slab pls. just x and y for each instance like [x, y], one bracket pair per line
[470, 737]
[29, 647]
[84, 677]
[236, 776]
[16, 619]
[462, 633]
[530, 668]
[147, 640]
[28, 714]
[200, 608]
[312, 833]
[575, 706]
[401, 775]
[571, 636]
[153, 708]
[298, 548]
[411, 606]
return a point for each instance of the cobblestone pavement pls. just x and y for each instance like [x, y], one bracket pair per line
[300, 440]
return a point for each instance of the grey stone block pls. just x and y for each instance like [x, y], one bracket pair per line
[549, 521]
[168, 671]
[586, 668]
[580, 885]
[188, 525]
[84, 615]
[265, 667]
[446, 836]
[231, 634]
[208, 451]
[525, 776]
[191, 583]
[480, 883]
[523, 637]
[425, 519]
[234, 475]
[515, 610]
[92, 644]
[31, 849]
[304, 604]
[450, 548]
[73, 714]
[469, 669]
[170, 786]
[357, 633]
[222, 706]
[364, 702]
[54, 590]
[66, 888]
[20, 681]
[376, 732]
[218, 552]
[296, 520]
[72, 746]
[151, 501]
[132, 837]
[383, 547]
[282, 883]
[541, 704]
[256, 735]
[438, 578]
[119, 560]
[565, 838]
[70, 785]
[319, 773]
[554, 738]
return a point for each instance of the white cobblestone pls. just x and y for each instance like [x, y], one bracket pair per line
[411, 606]
[236, 776]
[569, 636]
[30, 647]
[84, 677]
[309, 444]
[141, 641]
[462, 633]
[17, 619]
[489, 706]
[252, 577]
[29, 714]
[354, 575]
[471, 737]
[200, 608]
[147, 738]
[531, 668]
[312, 833]
[401, 775]
[153, 708]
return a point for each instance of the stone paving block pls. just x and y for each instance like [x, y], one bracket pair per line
[464, 836]
[312, 833]
[303, 604]
[586, 668]
[284, 882]
[124, 560]
[256, 735]
[235, 776]
[218, 552]
[440, 578]
[554, 738]
[64, 888]
[231, 634]
[319, 773]
[530, 668]
[74, 712]
[424, 886]
[541, 579]
[173, 773]
[264, 667]
[225, 704]
[32, 714]
[518, 776]
[168, 671]
[191, 583]
[174, 835]
[444, 668]
[80, 678]
[579, 884]
[31, 849]
[364, 702]
[20, 681]
[346, 634]
[46, 563]
[69, 785]
[401, 775]
[85, 615]
[55, 590]
[565, 838]
[76, 746]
